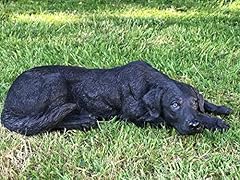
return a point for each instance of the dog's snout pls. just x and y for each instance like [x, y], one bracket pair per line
[194, 124]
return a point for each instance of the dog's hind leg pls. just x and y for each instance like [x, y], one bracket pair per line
[34, 124]
[219, 110]
[36, 103]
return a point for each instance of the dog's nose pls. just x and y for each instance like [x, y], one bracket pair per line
[194, 124]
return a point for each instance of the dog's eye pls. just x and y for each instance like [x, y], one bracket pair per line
[175, 106]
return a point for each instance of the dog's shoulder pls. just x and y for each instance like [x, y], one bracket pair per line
[137, 66]
[139, 63]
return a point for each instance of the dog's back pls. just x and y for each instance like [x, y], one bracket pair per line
[42, 97]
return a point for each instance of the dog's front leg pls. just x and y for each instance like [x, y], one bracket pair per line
[212, 123]
[219, 110]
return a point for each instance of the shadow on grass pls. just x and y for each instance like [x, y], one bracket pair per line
[37, 6]
[44, 25]
[142, 17]
[173, 11]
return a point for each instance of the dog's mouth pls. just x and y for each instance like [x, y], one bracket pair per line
[190, 130]
[195, 125]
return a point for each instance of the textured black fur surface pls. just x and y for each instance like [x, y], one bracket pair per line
[63, 97]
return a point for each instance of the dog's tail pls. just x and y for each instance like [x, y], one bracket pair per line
[37, 123]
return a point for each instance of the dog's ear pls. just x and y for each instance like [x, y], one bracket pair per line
[152, 100]
[200, 100]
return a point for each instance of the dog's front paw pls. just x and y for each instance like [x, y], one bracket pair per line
[225, 110]
[222, 125]
[213, 123]
[218, 125]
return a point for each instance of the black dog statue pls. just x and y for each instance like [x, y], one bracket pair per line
[63, 97]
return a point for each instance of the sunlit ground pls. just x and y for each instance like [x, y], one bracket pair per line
[126, 12]
[62, 18]
[234, 6]
[153, 13]
[56, 18]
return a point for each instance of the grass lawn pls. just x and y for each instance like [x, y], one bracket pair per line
[197, 42]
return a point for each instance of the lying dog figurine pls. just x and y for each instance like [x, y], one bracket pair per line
[62, 97]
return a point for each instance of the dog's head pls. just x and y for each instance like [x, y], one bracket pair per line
[178, 105]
